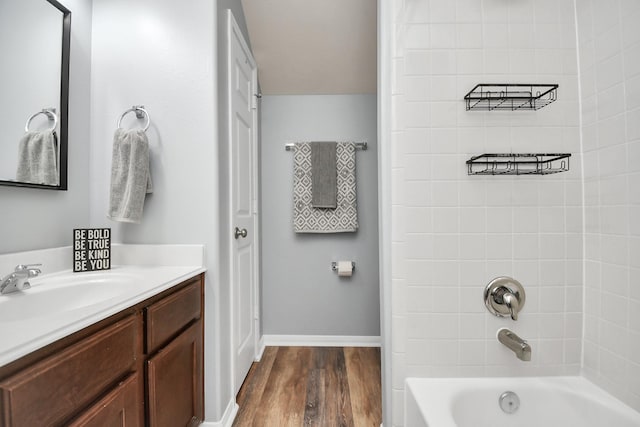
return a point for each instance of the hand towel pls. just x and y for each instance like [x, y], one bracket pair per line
[38, 158]
[130, 175]
[323, 175]
[342, 219]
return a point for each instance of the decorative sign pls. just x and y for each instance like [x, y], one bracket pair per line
[91, 249]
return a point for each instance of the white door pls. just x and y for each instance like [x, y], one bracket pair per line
[243, 130]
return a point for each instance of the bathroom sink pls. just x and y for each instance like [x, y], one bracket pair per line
[60, 293]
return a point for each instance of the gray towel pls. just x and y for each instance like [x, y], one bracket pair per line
[130, 175]
[38, 158]
[306, 218]
[323, 175]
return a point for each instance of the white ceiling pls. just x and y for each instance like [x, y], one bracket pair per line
[313, 47]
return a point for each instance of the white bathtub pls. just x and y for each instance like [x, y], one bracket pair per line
[544, 401]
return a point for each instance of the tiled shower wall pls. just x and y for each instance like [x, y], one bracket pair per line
[609, 51]
[453, 233]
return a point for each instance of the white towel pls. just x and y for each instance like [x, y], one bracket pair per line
[130, 175]
[38, 158]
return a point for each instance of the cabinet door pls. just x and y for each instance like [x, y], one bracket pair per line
[122, 407]
[175, 381]
[54, 389]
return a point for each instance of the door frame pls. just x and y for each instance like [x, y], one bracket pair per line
[233, 31]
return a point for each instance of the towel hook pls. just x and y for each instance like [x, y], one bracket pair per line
[51, 115]
[140, 112]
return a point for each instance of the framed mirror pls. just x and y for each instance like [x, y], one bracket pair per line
[35, 40]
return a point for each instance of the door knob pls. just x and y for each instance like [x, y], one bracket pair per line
[240, 233]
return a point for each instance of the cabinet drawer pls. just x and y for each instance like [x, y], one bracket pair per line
[170, 315]
[122, 406]
[52, 390]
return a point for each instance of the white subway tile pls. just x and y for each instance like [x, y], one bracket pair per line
[609, 72]
[470, 61]
[446, 299]
[446, 273]
[522, 60]
[442, 36]
[630, 33]
[551, 325]
[418, 88]
[442, 11]
[472, 246]
[468, 10]
[445, 246]
[444, 141]
[472, 273]
[472, 325]
[496, 35]
[499, 246]
[552, 299]
[416, 36]
[496, 61]
[417, 62]
[551, 352]
[607, 44]
[420, 299]
[521, 12]
[468, 36]
[546, 11]
[607, 15]
[445, 193]
[443, 88]
[632, 92]
[443, 61]
[548, 36]
[444, 114]
[611, 101]
[494, 11]
[472, 220]
[471, 352]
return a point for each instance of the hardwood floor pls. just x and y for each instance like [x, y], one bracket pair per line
[312, 386]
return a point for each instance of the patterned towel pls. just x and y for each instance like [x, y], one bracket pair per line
[342, 219]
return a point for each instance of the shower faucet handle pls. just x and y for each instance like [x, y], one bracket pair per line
[504, 296]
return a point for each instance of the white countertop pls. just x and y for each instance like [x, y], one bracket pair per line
[22, 335]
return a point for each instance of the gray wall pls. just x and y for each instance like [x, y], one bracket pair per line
[301, 295]
[36, 219]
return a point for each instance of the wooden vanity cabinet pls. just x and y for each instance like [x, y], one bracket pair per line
[140, 367]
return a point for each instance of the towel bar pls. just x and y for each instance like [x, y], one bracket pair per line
[140, 114]
[51, 115]
[359, 145]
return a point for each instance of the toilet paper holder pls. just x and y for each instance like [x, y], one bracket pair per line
[334, 265]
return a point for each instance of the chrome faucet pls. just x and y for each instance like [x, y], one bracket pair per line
[516, 344]
[19, 279]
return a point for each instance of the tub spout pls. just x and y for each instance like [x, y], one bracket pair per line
[516, 344]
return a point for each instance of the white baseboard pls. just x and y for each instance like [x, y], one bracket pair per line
[260, 349]
[227, 418]
[321, 341]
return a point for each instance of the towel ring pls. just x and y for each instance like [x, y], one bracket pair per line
[51, 115]
[140, 113]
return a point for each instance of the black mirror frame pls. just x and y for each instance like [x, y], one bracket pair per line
[63, 141]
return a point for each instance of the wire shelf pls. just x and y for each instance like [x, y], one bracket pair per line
[518, 164]
[510, 96]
